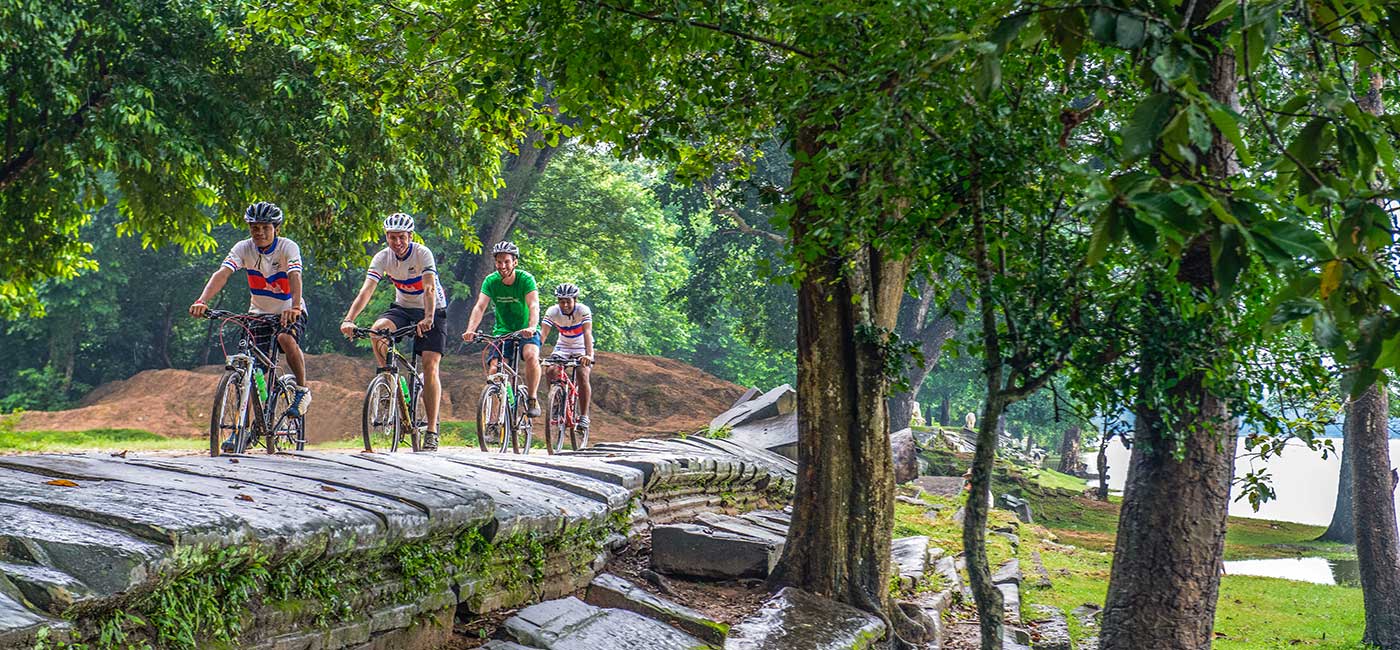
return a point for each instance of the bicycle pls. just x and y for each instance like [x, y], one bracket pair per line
[562, 374]
[241, 414]
[391, 397]
[502, 413]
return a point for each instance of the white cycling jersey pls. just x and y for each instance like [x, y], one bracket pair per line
[407, 275]
[570, 327]
[268, 273]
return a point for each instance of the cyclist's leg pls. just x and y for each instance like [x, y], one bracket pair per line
[530, 358]
[291, 347]
[585, 390]
[393, 318]
[431, 346]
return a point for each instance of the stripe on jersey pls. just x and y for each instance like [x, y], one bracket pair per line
[571, 331]
[276, 285]
[410, 286]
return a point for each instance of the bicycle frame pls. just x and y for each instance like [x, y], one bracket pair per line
[246, 361]
[566, 376]
[403, 404]
[513, 390]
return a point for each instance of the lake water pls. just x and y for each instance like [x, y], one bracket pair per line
[1306, 569]
[1305, 485]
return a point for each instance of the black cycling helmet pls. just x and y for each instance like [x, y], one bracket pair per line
[566, 290]
[505, 247]
[263, 212]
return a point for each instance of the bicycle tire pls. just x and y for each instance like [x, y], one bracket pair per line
[285, 431]
[520, 428]
[420, 413]
[487, 409]
[407, 421]
[555, 419]
[217, 433]
[377, 416]
[577, 441]
[295, 430]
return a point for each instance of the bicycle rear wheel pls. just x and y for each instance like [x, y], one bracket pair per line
[556, 419]
[223, 417]
[577, 440]
[284, 431]
[490, 413]
[378, 418]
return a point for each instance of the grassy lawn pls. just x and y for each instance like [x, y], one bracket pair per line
[93, 440]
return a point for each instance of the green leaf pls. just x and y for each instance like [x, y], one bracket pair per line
[987, 75]
[1145, 126]
[1292, 238]
[1130, 32]
[1007, 28]
[1390, 354]
[1229, 127]
[1221, 12]
[1104, 24]
[1103, 236]
[1294, 309]
[1229, 257]
[1306, 146]
[1325, 332]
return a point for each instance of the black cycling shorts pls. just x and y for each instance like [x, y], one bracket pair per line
[262, 332]
[436, 338]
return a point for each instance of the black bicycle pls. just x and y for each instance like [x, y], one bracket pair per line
[502, 415]
[393, 412]
[248, 409]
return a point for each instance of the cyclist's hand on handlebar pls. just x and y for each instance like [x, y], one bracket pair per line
[198, 308]
[585, 360]
[289, 316]
[526, 333]
[469, 336]
[348, 329]
[425, 325]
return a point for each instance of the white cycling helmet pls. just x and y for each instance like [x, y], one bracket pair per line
[398, 222]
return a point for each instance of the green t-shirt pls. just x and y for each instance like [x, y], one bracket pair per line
[512, 312]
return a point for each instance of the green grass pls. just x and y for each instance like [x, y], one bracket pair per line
[1052, 479]
[92, 440]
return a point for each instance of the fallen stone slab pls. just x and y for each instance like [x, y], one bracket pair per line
[1042, 580]
[1016, 504]
[18, 625]
[624, 477]
[777, 434]
[692, 550]
[1011, 601]
[910, 556]
[778, 401]
[1051, 628]
[797, 620]
[50, 590]
[739, 526]
[947, 567]
[780, 529]
[109, 560]
[905, 455]
[611, 591]
[571, 624]
[614, 496]
[498, 644]
[1010, 572]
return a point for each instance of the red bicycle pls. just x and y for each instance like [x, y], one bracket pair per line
[562, 417]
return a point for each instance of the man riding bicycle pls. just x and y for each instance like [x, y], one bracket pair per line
[418, 298]
[516, 303]
[574, 321]
[273, 264]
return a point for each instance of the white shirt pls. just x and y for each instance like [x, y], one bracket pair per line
[407, 275]
[570, 327]
[268, 279]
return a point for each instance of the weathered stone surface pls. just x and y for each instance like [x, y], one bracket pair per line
[740, 526]
[778, 401]
[688, 549]
[749, 394]
[1011, 599]
[1008, 572]
[615, 496]
[910, 558]
[571, 624]
[1010, 537]
[1042, 580]
[48, 589]
[797, 620]
[947, 567]
[944, 486]
[504, 645]
[1016, 504]
[905, 454]
[766, 523]
[624, 477]
[1051, 629]
[610, 591]
[110, 561]
[777, 434]
[18, 625]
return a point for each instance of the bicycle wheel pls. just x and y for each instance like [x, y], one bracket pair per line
[410, 415]
[377, 419]
[576, 440]
[490, 413]
[556, 419]
[522, 429]
[284, 431]
[223, 417]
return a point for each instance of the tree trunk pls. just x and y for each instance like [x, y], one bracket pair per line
[1367, 431]
[1343, 526]
[914, 325]
[945, 409]
[1102, 466]
[520, 171]
[838, 544]
[1070, 461]
[162, 340]
[1171, 531]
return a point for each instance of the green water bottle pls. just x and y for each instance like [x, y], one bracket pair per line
[403, 386]
[510, 396]
[261, 381]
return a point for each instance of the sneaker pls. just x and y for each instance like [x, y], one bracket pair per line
[582, 426]
[534, 409]
[227, 446]
[301, 400]
[430, 441]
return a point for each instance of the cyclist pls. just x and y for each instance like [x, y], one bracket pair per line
[418, 298]
[516, 303]
[273, 264]
[574, 321]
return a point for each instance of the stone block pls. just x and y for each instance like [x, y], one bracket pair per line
[797, 620]
[610, 591]
[905, 455]
[1051, 628]
[571, 624]
[1010, 572]
[688, 549]
[910, 558]
[778, 401]
[1011, 600]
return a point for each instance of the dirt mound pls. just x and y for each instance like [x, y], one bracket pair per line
[633, 396]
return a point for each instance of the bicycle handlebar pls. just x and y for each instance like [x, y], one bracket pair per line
[400, 333]
[483, 336]
[222, 314]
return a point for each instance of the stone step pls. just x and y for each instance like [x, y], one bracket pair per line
[910, 556]
[571, 624]
[701, 551]
[611, 591]
[794, 619]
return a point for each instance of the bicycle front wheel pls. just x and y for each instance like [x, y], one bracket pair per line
[556, 419]
[224, 416]
[522, 430]
[284, 431]
[379, 417]
[490, 414]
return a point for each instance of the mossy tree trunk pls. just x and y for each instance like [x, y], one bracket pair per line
[838, 544]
